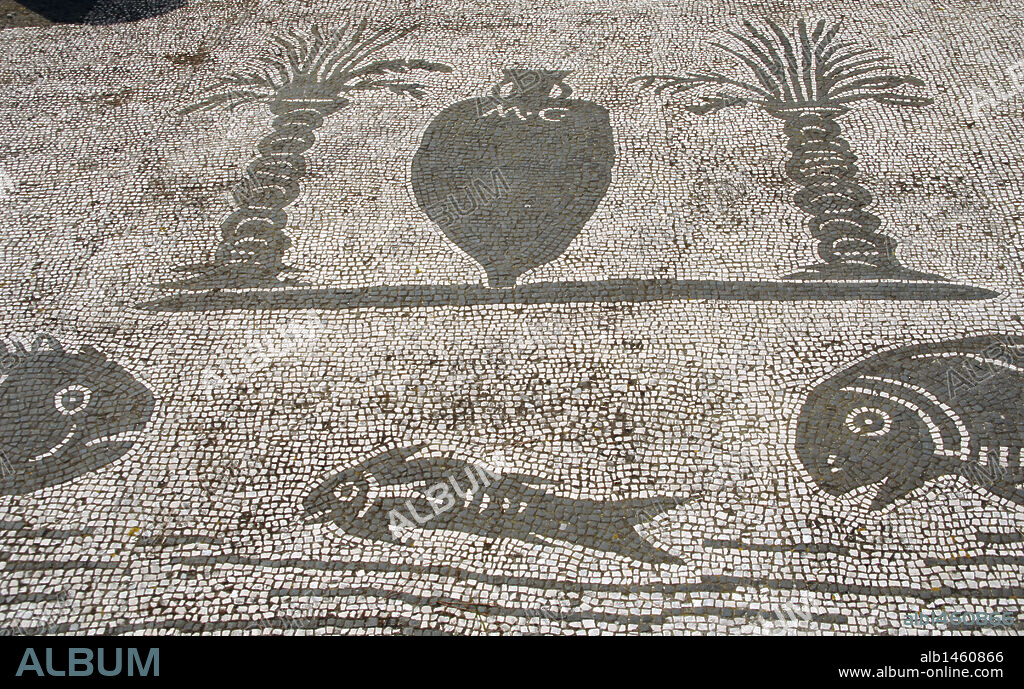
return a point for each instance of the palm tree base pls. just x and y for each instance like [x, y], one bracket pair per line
[853, 270]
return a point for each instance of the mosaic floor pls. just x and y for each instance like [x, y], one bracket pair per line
[454, 317]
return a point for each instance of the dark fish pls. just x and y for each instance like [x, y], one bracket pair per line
[394, 491]
[63, 414]
[905, 417]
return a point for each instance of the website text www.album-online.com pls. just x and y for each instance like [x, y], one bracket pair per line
[942, 667]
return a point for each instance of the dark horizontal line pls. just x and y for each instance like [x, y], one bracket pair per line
[1015, 560]
[604, 291]
[174, 541]
[32, 597]
[37, 534]
[40, 630]
[995, 537]
[19, 565]
[372, 622]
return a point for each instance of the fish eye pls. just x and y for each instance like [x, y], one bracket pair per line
[72, 399]
[346, 492]
[869, 422]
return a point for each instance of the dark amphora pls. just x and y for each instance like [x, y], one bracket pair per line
[512, 177]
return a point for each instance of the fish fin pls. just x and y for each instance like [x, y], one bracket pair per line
[380, 534]
[1014, 492]
[529, 481]
[430, 467]
[891, 488]
[11, 355]
[19, 348]
[648, 509]
[632, 546]
[392, 455]
[47, 343]
[90, 353]
[642, 550]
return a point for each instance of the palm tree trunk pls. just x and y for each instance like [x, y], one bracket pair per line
[253, 242]
[822, 163]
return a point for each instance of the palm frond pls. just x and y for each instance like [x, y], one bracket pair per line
[900, 99]
[818, 28]
[274, 65]
[854, 67]
[837, 60]
[228, 100]
[772, 48]
[772, 78]
[765, 78]
[879, 82]
[324, 62]
[793, 71]
[373, 45]
[259, 79]
[806, 61]
[807, 67]
[329, 47]
[399, 66]
[830, 49]
[341, 52]
[676, 84]
[715, 103]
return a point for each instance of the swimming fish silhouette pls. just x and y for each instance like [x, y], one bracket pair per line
[904, 417]
[395, 491]
[63, 414]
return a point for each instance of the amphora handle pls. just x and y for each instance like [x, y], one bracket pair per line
[530, 84]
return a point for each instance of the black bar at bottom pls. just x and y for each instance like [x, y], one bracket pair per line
[733, 659]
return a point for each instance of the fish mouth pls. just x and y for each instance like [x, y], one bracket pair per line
[56, 450]
[871, 494]
[124, 437]
[851, 472]
[73, 438]
[834, 464]
[867, 489]
[877, 494]
[65, 460]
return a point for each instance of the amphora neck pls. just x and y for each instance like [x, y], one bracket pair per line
[532, 85]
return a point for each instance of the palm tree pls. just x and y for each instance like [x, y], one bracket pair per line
[310, 77]
[808, 80]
